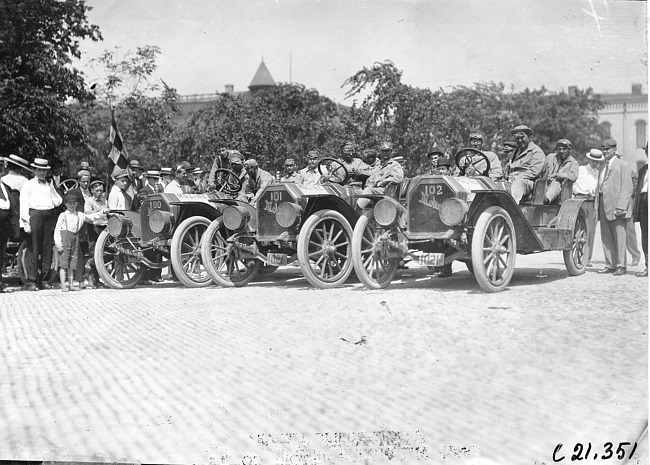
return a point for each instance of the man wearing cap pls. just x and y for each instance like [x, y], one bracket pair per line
[526, 164]
[640, 212]
[256, 182]
[388, 172]
[585, 188]
[559, 168]
[38, 202]
[179, 183]
[138, 175]
[356, 168]
[220, 161]
[434, 156]
[614, 206]
[477, 165]
[310, 174]
[290, 174]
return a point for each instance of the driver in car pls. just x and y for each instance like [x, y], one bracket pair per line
[478, 165]
[355, 167]
[256, 181]
[526, 164]
[388, 172]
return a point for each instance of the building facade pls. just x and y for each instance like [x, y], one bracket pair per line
[626, 118]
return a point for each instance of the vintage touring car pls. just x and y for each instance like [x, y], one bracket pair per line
[437, 219]
[166, 231]
[309, 223]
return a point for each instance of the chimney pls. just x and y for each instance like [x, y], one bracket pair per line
[637, 89]
[230, 88]
[572, 91]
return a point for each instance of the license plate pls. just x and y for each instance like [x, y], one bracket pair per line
[278, 259]
[431, 259]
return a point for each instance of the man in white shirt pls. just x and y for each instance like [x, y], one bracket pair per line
[179, 183]
[585, 188]
[310, 174]
[118, 199]
[5, 219]
[38, 215]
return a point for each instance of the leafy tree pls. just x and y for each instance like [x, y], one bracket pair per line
[38, 42]
[146, 121]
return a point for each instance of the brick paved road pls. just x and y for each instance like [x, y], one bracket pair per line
[270, 373]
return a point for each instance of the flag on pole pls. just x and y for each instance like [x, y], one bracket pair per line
[118, 156]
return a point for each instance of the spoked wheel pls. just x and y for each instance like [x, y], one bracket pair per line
[373, 271]
[117, 270]
[494, 248]
[186, 252]
[222, 260]
[324, 251]
[575, 258]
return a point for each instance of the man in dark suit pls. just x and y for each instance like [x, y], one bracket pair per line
[614, 207]
[641, 210]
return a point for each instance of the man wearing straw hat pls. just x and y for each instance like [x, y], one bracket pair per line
[585, 188]
[38, 202]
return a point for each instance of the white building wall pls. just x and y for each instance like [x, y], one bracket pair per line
[623, 118]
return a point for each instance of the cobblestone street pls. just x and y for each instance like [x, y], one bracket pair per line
[428, 371]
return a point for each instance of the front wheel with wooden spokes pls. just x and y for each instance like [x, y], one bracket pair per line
[324, 251]
[223, 261]
[117, 269]
[374, 271]
[494, 248]
[575, 258]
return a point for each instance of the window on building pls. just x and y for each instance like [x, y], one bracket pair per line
[641, 133]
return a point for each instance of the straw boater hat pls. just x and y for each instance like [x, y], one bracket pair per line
[197, 171]
[153, 173]
[41, 163]
[595, 154]
[165, 171]
[18, 161]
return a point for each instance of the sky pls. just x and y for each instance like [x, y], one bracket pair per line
[207, 44]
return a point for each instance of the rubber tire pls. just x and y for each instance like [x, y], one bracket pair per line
[481, 230]
[212, 234]
[579, 248]
[178, 239]
[103, 241]
[358, 259]
[304, 236]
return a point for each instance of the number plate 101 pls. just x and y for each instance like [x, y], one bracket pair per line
[430, 259]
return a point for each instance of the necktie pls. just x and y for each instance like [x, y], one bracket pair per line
[3, 196]
[42, 181]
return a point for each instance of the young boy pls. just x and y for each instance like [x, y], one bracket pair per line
[66, 239]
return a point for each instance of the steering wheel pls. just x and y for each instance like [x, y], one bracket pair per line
[322, 163]
[231, 183]
[464, 159]
[69, 184]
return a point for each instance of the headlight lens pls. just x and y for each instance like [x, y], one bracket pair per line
[386, 212]
[160, 222]
[452, 211]
[235, 218]
[119, 226]
[288, 214]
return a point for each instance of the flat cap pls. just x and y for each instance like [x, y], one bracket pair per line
[121, 174]
[608, 143]
[250, 162]
[435, 151]
[476, 135]
[510, 143]
[385, 146]
[134, 164]
[522, 128]
[235, 157]
[185, 165]
[563, 143]
[289, 161]
[83, 174]
[348, 146]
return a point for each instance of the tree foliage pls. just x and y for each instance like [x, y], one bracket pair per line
[38, 42]
[144, 108]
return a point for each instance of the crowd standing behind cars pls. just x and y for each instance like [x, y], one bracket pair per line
[44, 214]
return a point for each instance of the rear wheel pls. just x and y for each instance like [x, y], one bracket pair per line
[222, 260]
[324, 251]
[186, 252]
[373, 271]
[494, 248]
[115, 268]
[575, 258]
